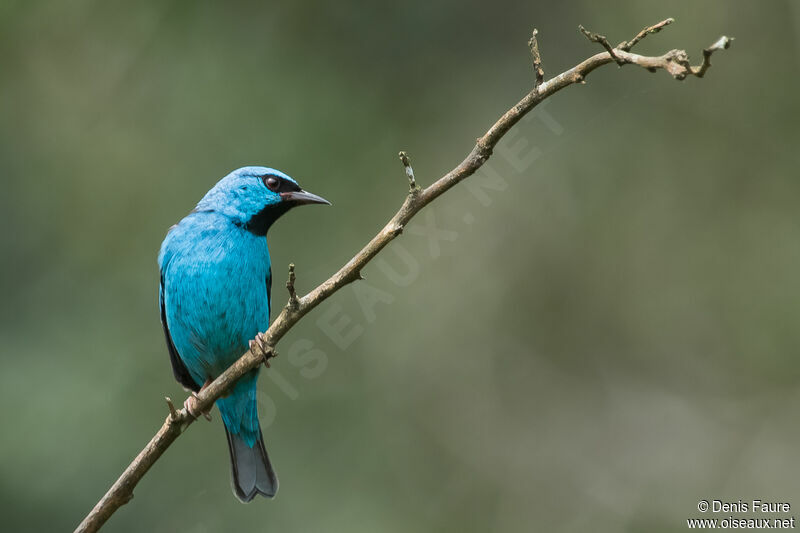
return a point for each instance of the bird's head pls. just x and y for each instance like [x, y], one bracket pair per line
[255, 197]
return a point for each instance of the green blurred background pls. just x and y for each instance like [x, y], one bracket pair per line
[606, 334]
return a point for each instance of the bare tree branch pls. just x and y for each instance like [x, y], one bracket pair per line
[675, 62]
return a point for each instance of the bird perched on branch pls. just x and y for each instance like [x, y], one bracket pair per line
[215, 298]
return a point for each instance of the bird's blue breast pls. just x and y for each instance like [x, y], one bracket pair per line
[216, 278]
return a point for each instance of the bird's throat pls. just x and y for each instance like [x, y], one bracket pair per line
[260, 223]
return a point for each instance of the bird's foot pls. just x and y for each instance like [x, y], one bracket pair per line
[260, 346]
[191, 404]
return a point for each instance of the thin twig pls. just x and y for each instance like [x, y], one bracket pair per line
[675, 62]
[173, 414]
[655, 28]
[412, 182]
[533, 43]
[597, 38]
[293, 302]
[722, 43]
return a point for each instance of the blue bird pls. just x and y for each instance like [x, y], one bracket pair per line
[215, 297]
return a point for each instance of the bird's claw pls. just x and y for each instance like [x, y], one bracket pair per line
[261, 347]
[191, 406]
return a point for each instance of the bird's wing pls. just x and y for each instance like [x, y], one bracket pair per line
[178, 367]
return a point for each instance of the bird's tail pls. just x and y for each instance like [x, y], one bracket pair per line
[251, 469]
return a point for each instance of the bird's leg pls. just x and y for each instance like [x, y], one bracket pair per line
[191, 403]
[260, 346]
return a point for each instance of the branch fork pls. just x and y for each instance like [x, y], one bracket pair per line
[602, 40]
[676, 62]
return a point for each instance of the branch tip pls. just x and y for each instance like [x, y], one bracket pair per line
[676, 62]
[293, 302]
[533, 43]
[723, 43]
[173, 414]
[655, 28]
[412, 183]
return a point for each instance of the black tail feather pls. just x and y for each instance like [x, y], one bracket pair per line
[251, 469]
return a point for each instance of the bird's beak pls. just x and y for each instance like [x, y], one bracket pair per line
[303, 197]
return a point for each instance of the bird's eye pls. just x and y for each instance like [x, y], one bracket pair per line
[272, 182]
